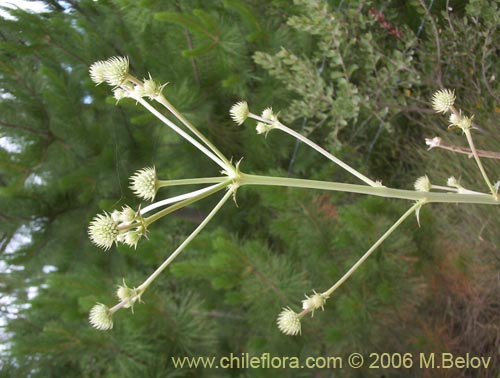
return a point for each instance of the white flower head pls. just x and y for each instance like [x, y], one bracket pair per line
[100, 317]
[239, 112]
[423, 184]
[289, 322]
[314, 302]
[103, 231]
[432, 143]
[144, 183]
[127, 214]
[443, 100]
[269, 115]
[113, 71]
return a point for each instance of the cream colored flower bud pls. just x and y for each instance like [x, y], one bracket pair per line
[132, 238]
[103, 231]
[314, 302]
[152, 89]
[289, 322]
[239, 112]
[100, 317]
[423, 184]
[452, 181]
[144, 183]
[443, 100]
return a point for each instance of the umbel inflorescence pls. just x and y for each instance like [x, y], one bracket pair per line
[129, 225]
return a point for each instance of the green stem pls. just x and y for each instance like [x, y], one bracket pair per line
[372, 248]
[478, 161]
[179, 249]
[201, 180]
[381, 191]
[186, 136]
[325, 153]
[162, 100]
[147, 221]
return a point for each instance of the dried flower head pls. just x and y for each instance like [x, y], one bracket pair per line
[113, 71]
[144, 183]
[423, 184]
[289, 322]
[100, 317]
[103, 231]
[239, 112]
[443, 100]
[434, 142]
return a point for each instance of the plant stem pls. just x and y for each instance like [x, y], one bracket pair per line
[186, 136]
[191, 199]
[191, 181]
[325, 153]
[381, 191]
[478, 161]
[179, 249]
[373, 248]
[162, 100]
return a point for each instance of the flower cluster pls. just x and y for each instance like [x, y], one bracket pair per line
[124, 226]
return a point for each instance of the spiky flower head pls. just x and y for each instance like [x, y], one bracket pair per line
[152, 89]
[103, 231]
[100, 317]
[127, 295]
[423, 184]
[443, 100]
[144, 183]
[289, 322]
[314, 302]
[113, 71]
[458, 120]
[239, 112]
[269, 114]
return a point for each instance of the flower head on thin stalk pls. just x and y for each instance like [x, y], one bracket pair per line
[152, 89]
[239, 112]
[460, 121]
[101, 317]
[103, 231]
[289, 322]
[423, 184]
[443, 100]
[144, 183]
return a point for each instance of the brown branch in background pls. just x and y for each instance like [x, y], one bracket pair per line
[437, 142]
[193, 60]
[438, 44]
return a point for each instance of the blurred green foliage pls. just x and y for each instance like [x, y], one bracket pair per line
[354, 76]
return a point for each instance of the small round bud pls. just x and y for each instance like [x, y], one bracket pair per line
[423, 184]
[127, 214]
[443, 100]
[132, 238]
[152, 89]
[120, 93]
[239, 112]
[452, 181]
[314, 302]
[263, 128]
[127, 295]
[100, 317]
[144, 183]
[103, 231]
[289, 322]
